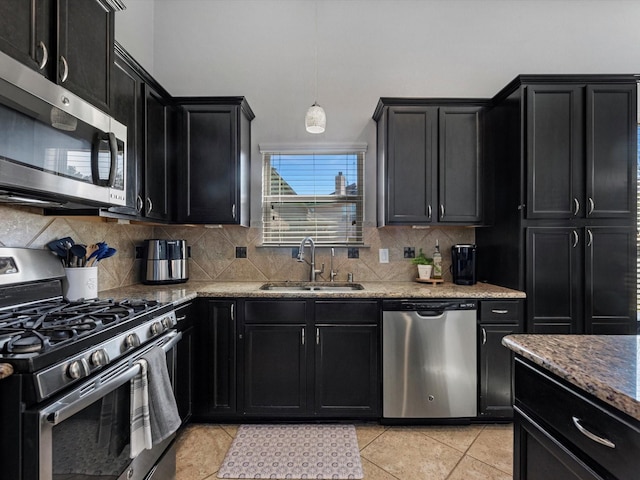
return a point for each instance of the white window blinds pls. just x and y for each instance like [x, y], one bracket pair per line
[318, 194]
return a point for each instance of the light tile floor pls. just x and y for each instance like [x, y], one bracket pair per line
[470, 452]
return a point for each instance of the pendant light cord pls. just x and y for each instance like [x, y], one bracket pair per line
[316, 51]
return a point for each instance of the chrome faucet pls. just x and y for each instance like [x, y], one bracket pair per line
[332, 273]
[313, 272]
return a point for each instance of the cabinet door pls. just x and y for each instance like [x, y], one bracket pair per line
[496, 393]
[215, 360]
[460, 163]
[554, 278]
[156, 164]
[127, 108]
[209, 169]
[555, 156]
[85, 49]
[25, 32]
[412, 168]
[610, 280]
[539, 456]
[346, 372]
[275, 370]
[611, 151]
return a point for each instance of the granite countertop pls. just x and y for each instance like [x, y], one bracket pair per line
[606, 366]
[182, 292]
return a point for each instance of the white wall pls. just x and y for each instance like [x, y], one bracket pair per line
[135, 30]
[264, 50]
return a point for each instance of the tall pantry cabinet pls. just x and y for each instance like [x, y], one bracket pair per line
[561, 166]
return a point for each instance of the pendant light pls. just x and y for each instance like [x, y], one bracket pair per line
[316, 120]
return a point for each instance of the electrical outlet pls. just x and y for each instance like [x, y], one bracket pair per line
[139, 251]
[241, 252]
[295, 251]
[353, 252]
[383, 254]
[409, 252]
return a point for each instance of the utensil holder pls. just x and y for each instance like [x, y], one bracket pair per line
[80, 283]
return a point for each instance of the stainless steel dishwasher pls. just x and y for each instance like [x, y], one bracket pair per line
[429, 359]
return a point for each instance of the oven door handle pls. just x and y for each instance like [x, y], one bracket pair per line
[106, 382]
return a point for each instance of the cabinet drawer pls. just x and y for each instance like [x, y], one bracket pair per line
[347, 312]
[503, 311]
[565, 412]
[277, 311]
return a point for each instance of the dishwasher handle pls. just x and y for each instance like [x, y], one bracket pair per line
[430, 313]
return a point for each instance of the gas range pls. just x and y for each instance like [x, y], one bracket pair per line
[55, 342]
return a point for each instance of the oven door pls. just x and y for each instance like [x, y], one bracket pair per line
[85, 434]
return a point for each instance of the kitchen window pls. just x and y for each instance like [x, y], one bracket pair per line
[313, 192]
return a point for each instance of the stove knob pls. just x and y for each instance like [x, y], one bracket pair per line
[77, 369]
[166, 321]
[99, 358]
[156, 328]
[132, 340]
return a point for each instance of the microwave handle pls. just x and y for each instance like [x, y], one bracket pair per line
[113, 148]
[113, 151]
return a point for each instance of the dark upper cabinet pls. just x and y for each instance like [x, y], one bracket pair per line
[429, 162]
[214, 356]
[158, 143]
[215, 151]
[562, 155]
[127, 107]
[68, 41]
[611, 151]
[25, 29]
[460, 164]
[85, 49]
[581, 144]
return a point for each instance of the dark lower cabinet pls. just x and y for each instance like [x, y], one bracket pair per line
[310, 358]
[346, 366]
[215, 359]
[275, 370]
[497, 318]
[541, 457]
[563, 432]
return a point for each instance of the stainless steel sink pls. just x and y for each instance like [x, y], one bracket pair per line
[311, 287]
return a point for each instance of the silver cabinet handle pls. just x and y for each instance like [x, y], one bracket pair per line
[591, 206]
[233, 313]
[591, 435]
[149, 205]
[589, 237]
[45, 55]
[139, 203]
[429, 212]
[65, 69]
[233, 211]
[484, 336]
[575, 238]
[180, 319]
[317, 336]
[576, 207]
[441, 210]
[302, 335]
[501, 312]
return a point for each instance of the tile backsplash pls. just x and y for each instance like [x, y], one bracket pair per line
[214, 253]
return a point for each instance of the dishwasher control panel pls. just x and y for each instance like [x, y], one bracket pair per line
[418, 305]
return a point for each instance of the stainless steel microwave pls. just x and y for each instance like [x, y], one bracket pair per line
[56, 149]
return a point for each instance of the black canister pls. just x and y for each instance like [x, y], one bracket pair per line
[463, 264]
